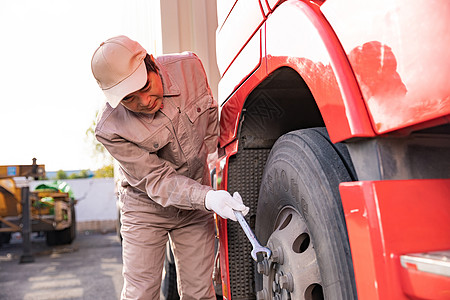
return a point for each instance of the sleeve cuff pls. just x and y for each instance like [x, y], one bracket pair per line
[198, 201]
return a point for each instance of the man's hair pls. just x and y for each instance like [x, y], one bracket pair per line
[150, 64]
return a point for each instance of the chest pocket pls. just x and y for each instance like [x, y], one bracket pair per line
[163, 144]
[198, 116]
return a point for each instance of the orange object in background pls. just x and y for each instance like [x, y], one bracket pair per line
[56, 217]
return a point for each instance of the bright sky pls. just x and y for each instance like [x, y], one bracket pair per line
[48, 95]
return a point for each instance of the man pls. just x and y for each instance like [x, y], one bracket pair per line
[160, 124]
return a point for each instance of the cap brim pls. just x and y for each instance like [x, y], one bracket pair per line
[131, 84]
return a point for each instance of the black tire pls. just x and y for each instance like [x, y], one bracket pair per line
[169, 290]
[58, 237]
[5, 237]
[73, 227]
[300, 218]
[65, 236]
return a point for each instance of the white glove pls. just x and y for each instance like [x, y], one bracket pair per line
[223, 204]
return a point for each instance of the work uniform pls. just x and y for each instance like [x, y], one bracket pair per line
[164, 180]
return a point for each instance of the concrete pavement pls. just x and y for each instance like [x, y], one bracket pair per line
[89, 268]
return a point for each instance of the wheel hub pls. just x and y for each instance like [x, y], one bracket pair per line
[292, 272]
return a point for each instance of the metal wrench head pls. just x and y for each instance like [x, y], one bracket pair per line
[257, 248]
[260, 249]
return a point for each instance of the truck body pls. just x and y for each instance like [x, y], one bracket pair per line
[334, 127]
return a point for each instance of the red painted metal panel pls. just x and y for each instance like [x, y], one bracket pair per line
[298, 35]
[398, 50]
[223, 257]
[222, 183]
[231, 110]
[386, 219]
[421, 285]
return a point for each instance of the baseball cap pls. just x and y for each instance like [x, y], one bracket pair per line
[119, 68]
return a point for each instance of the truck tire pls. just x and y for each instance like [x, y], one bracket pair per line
[58, 237]
[73, 227]
[5, 237]
[65, 236]
[300, 218]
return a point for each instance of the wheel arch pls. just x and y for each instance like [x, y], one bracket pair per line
[279, 104]
[313, 50]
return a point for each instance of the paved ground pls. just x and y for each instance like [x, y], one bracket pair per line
[89, 268]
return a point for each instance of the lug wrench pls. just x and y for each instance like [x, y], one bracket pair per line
[257, 248]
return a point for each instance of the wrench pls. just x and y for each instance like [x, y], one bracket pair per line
[257, 248]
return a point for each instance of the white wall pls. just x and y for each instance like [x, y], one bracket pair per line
[96, 198]
[190, 25]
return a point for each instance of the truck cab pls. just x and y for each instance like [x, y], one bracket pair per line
[334, 128]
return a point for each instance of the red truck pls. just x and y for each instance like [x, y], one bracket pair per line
[334, 127]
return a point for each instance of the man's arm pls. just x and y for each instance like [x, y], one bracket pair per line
[152, 175]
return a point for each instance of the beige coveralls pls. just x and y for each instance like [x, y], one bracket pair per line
[164, 180]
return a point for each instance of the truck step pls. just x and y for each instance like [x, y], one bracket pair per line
[437, 263]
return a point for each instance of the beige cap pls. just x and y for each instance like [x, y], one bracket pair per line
[119, 68]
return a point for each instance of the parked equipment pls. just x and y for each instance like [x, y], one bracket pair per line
[50, 208]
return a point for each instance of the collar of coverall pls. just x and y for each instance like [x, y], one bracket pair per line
[170, 87]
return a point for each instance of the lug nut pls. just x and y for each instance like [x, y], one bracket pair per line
[275, 287]
[277, 276]
[263, 267]
[278, 256]
[262, 295]
[287, 282]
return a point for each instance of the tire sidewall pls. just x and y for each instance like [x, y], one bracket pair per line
[296, 175]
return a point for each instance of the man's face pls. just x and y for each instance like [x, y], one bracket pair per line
[147, 100]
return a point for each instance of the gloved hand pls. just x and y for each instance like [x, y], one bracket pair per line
[223, 204]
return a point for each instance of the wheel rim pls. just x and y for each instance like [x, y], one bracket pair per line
[292, 271]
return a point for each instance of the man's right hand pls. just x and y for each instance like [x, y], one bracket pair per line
[223, 204]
